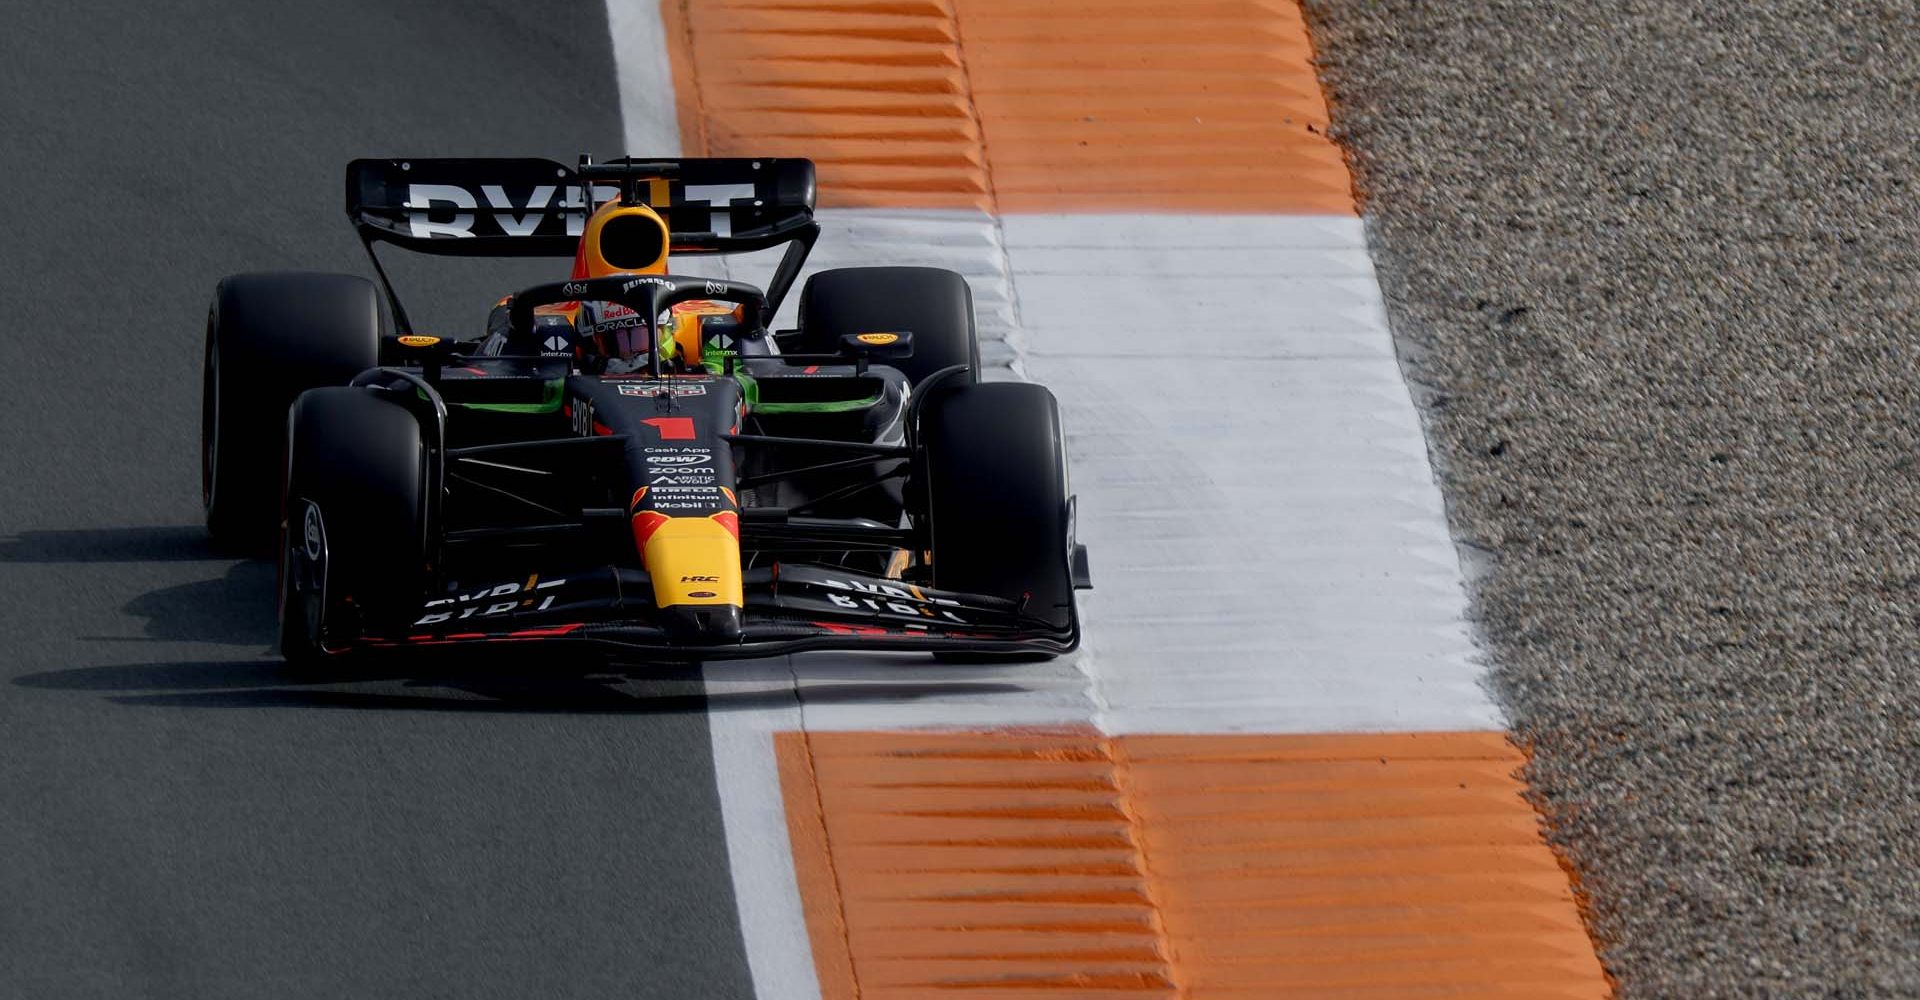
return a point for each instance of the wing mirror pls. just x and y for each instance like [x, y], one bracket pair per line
[885, 346]
[428, 352]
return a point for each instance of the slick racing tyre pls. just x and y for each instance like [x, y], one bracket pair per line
[935, 305]
[352, 557]
[271, 336]
[999, 512]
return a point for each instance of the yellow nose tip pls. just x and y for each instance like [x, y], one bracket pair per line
[693, 560]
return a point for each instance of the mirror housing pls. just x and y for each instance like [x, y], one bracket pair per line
[882, 345]
[429, 352]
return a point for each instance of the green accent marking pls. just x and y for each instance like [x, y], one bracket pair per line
[510, 407]
[837, 406]
[551, 396]
[715, 362]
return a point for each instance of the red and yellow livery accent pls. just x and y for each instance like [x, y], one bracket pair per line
[691, 560]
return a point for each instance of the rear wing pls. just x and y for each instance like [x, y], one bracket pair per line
[529, 207]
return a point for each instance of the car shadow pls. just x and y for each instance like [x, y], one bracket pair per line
[235, 609]
[232, 610]
[169, 543]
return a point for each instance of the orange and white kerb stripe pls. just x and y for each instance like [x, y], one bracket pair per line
[1272, 770]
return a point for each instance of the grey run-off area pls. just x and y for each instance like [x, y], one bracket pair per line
[1656, 270]
[178, 818]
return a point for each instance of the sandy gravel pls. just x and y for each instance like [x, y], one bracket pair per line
[1658, 263]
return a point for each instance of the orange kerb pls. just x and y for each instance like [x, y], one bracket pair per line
[1064, 863]
[872, 92]
[1015, 106]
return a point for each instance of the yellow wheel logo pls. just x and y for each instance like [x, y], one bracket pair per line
[877, 338]
[418, 340]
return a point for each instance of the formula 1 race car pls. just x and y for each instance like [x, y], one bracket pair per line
[629, 459]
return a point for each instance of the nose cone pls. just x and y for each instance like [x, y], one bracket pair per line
[701, 625]
[695, 566]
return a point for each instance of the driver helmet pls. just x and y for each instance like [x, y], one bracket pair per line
[619, 239]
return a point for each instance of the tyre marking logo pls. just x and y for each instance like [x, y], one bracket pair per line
[313, 535]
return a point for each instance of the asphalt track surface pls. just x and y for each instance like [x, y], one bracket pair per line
[176, 817]
[1655, 263]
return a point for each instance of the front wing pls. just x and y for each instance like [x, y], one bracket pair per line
[789, 609]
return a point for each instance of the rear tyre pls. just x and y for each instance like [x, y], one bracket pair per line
[271, 336]
[934, 304]
[1000, 517]
[352, 558]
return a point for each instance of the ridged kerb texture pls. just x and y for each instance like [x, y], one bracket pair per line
[1065, 863]
[1008, 106]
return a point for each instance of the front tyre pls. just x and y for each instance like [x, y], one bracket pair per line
[1000, 517]
[354, 523]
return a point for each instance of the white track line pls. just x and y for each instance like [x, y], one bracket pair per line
[766, 891]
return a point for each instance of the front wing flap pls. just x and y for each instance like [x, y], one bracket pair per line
[789, 608]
